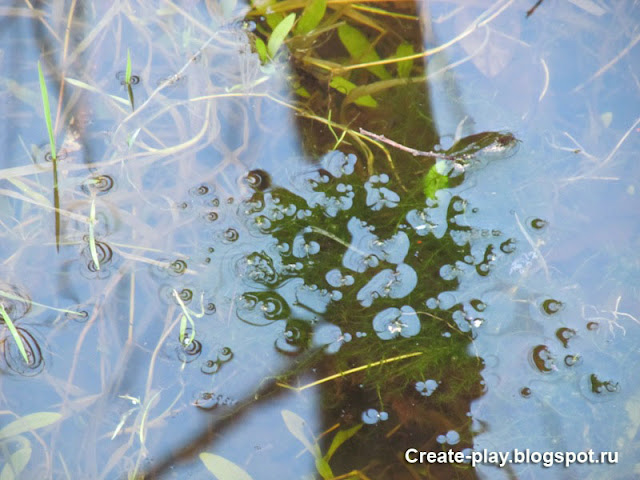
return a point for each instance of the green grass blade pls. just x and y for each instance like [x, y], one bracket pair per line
[261, 50]
[127, 73]
[130, 92]
[14, 333]
[341, 437]
[92, 236]
[47, 111]
[311, 16]
[54, 157]
[185, 317]
[56, 203]
[279, 34]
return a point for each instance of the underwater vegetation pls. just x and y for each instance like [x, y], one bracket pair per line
[283, 227]
[356, 260]
[360, 275]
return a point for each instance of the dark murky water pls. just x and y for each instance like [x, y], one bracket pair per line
[265, 280]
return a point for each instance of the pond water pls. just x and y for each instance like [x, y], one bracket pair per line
[254, 257]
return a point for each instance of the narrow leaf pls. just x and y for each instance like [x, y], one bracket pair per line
[280, 33]
[404, 67]
[345, 86]
[222, 468]
[47, 111]
[14, 333]
[311, 16]
[186, 317]
[127, 73]
[361, 50]
[324, 469]
[92, 235]
[29, 422]
[261, 50]
[341, 437]
[296, 425]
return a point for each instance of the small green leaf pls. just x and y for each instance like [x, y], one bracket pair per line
[29, 422]
[92, 236]
[404, 67]
[324, 469]
[345, 86]
[222, 468]
[127, 73]
[366, 101]
[47, 111]
[433, 181]
[311, 16]
[361, 50]
[342, 85]
[341, 437]
[279, 34]
[185, 317]
[14, 333]
[261, 50]
[296, 425]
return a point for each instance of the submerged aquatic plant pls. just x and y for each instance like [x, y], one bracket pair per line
[14, 333]
[54, 156]
[345, 264]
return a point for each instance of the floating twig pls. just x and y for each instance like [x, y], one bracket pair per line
[412, 151]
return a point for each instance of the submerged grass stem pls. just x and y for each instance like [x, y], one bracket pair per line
[14, 333]
[349, 372]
